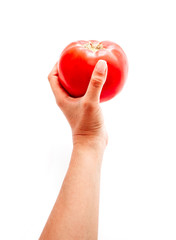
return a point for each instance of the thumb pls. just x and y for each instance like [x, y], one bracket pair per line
[97, 81]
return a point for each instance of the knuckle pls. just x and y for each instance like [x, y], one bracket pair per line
[97, 81]
[88, 105]
[59, 102]
[49, 77]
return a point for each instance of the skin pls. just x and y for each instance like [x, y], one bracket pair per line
[75, 213]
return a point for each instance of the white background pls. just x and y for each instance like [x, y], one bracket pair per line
[138, 181]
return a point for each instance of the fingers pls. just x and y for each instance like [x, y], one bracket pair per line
[97, 81]
[54, 71]
[56, 87]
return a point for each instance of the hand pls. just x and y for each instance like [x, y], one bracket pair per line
[84, 113]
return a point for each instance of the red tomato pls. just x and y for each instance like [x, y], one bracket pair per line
[78, 60]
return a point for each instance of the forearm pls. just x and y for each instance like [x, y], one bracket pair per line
[75, 213]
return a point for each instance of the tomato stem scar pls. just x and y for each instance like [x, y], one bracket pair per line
[93, 46]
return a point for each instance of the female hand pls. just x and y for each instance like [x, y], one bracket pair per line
[84, 113]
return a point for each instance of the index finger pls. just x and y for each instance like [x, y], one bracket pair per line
[56, 87]
[54, 72]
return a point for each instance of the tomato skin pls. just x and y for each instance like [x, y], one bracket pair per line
[77, 62]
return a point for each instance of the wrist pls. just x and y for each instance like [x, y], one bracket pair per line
[87, 155]
[92, 143]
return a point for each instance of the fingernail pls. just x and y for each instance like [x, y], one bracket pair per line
[101, 66]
